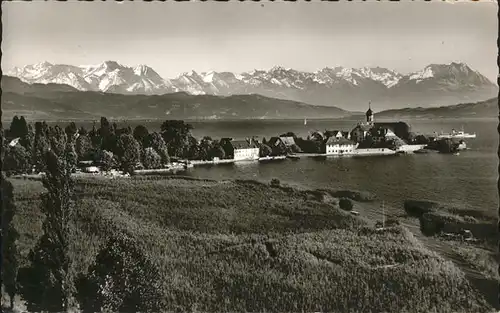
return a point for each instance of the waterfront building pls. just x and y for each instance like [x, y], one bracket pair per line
[281, 145]
[285, 142]
[379, 131]
[339, 146]
[334, 133]
[245, 150]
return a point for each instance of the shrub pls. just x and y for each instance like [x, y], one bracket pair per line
[418, 208]
[275, 182]
[346, 204]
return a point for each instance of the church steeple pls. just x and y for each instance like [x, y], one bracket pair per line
[369, 114]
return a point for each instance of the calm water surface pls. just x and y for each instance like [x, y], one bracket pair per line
[469, 178]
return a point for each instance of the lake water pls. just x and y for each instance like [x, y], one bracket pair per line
[470, 178]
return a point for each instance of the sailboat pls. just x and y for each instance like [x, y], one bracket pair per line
[305, 121]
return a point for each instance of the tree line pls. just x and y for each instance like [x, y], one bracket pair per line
[122, 148]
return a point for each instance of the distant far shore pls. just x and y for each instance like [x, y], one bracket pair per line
[7, 120]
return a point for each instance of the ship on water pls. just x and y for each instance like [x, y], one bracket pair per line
[460, 134]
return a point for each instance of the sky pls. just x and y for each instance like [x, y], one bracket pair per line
[176, 37]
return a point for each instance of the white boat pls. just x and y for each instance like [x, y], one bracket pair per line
[457, 134]
[462, 145]
[305, 121]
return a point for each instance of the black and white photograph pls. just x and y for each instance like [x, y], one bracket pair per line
[250, 156]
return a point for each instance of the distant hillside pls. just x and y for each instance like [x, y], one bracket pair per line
[14, 84]
[55, 101]
[483, 109]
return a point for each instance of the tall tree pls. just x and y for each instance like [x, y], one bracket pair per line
[49, 282]
[216, 151]
[17, 160]
[151, 159]
[57, 140]
[14, 127]
[83, 147]
[128, 152]
[155, 141]
[71, 156]
[28, 142]
[82, 131]
[9, 234]
[176, 134]
[106, 128]
[40, 146]
[141, 134]
[107, 160]
[204, 148]
[71, 129]
[122, 280]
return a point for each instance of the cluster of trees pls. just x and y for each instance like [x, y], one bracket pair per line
[123, 148]
[108, 145]
[121, 278]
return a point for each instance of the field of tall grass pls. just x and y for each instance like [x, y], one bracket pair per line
[247, 246]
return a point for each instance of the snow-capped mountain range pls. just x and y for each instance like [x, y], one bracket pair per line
[348, 88]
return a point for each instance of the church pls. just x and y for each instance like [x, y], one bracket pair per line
[378, 132]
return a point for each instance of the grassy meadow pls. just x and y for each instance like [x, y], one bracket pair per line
[247, 246]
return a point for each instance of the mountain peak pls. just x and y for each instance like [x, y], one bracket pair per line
[324, 87]
[111, 65]
[143, 70]
[43, 64]
[191, 73]
[278, 68]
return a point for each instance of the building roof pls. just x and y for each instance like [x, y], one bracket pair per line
[317, 132]
[273, 141]
[363, 126]
[288, 141]
[243, 144]
[332, 132]
[339, 141]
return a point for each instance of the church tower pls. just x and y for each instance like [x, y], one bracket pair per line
[369, 114]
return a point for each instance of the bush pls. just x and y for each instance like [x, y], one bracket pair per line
[346, 204]
[418, 208]
[275, 182]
